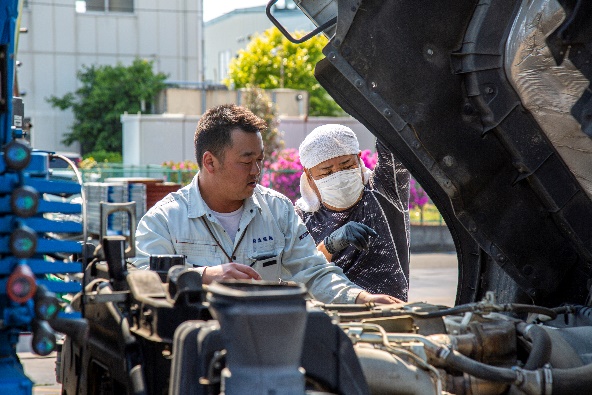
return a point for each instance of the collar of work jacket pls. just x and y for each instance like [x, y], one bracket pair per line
[197, 207]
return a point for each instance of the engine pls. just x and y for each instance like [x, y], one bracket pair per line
[162, 331]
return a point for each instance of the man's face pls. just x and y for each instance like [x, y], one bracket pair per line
[240, 166]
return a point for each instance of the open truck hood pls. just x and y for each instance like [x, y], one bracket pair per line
[488, 105]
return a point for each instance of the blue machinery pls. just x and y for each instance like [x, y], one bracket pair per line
[28, 256]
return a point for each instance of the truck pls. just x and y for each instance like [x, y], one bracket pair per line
[487, 103]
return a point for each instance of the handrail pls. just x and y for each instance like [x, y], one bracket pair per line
[304, 38]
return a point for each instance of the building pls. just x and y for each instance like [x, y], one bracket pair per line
[231, 32]
[64, 35]
[224, 37]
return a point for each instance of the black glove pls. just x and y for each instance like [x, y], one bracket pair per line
[352, 233]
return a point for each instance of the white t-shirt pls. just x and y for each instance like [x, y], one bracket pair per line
[230, 221]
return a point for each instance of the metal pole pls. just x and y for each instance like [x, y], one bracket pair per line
[200, 42]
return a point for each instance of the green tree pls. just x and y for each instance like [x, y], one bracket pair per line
[106, 92]
[271, 61]
[258, 101]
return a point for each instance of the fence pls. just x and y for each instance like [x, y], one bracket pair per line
[104, 171]
[284, 181]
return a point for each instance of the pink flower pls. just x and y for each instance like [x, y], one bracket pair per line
[369, 158]
[282, 173]
[418, 197]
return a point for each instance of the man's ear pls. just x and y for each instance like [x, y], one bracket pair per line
[209, 162]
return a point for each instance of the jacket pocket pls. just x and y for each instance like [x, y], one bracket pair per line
[267, 260]
[202, 253]
[267, 265]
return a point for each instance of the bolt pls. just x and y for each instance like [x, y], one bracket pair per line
[473, 228]
[489, 90]
[353, 8]
[332, 56]
[448, 183]
[430, 51]
[387, 112]
[448, 160]
[337, 42]
[416, 145]
[359, 83]
[501, 258]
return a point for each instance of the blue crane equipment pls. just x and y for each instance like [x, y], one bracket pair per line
[28, 255]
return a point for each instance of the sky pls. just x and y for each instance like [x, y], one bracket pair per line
[215, 8]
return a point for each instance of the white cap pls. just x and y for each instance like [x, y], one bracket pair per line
[327, 142]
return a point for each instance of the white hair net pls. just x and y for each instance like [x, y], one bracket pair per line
[327, 142]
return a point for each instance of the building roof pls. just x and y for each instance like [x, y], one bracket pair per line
[251, 10]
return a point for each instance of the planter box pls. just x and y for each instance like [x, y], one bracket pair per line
[429, 238]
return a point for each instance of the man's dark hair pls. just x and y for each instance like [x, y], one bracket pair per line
[214, 129]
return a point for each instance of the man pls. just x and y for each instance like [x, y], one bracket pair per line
[358, 218]
[229, 227]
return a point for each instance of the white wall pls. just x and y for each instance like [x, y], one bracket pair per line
[154, 139]
[60, 41]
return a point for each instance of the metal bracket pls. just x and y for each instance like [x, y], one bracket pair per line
[129, 208]
[346, 11]
[114, 297]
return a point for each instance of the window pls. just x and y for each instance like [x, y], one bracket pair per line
[105, 6]
[223, 63]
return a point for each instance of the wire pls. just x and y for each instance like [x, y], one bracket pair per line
[84, 214]
[481, 308]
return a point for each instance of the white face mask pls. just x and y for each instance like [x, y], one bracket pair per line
[341, 189]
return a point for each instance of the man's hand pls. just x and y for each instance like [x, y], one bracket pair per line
[229, 271]
[365, 297]
[352, 233]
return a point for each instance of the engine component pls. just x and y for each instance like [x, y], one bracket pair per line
[265, 358]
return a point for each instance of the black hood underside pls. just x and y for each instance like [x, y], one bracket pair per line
[427, 78]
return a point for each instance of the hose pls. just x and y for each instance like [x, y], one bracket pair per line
[527, 308]
[572, 381]
[470, 307]
[563, 381]
[451, 358]
[457, 361]
[540, 353]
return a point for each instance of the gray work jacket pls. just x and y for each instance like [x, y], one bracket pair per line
[275, 243]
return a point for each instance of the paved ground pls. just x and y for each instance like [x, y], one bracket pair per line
[433, 279]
